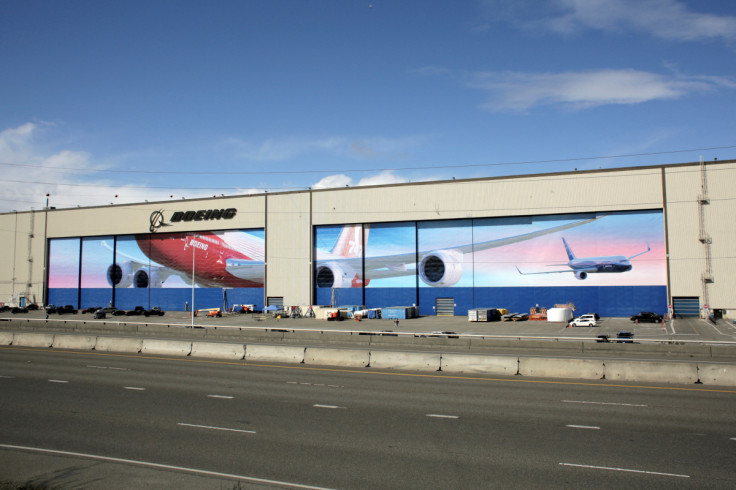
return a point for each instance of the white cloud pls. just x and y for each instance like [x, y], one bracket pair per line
[513, 91]
[29, 173]
[666, 19]
[342, 180]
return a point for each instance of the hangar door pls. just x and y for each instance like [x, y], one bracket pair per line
[445, 306]
[686, 306]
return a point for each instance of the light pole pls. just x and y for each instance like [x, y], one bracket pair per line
[193, 265]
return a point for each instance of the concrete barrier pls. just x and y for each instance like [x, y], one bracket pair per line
[717, 374]
[33, 339]
[6, 338]
[180, 348]
[561, 368]
[337, 357]
[465, 363]
[274, 353]
[84, 342]
[651, 372]
[217, 350]
[419, 361]
[118, 344]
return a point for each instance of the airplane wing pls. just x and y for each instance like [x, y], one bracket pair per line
[396, 265]
[251, 270]
[549, 272]
[641, 253]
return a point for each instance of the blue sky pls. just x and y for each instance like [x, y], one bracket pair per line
[147, 100]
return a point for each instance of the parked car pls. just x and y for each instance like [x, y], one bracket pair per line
[155, 311]
[91, 309]
[99, 314]
[51, 309]
[584, 321]
[18, 309]
[32, 307]
[119, 313]
[449, 335]
[138, 310]
[61, 310]
[647, 316]
[4, 308]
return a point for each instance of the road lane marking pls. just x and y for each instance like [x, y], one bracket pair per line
[215, 428]
[605, 403]
[623, 469]
[440, 416]
[109, 367]
[7, 377]
[57, 381]
[134, 388]
[162, 466]
[326, 406]
[226, 397]
[592, 427]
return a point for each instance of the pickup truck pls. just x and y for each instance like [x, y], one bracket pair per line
[646, 316]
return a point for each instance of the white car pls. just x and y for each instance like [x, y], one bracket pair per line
[584, 321]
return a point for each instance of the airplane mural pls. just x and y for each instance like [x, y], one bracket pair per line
[212, 259]
[582, 266]
[343, 265]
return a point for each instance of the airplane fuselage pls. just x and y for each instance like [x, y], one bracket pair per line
[601, 264]
[206, 253]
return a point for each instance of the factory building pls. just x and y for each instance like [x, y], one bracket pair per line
[615, 242]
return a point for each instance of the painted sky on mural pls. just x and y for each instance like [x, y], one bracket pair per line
[107, 102]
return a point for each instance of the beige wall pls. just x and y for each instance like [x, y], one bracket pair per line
[687, 252]
[289, 217]
[22, 271]
[568, 193]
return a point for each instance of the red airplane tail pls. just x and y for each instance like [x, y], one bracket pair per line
[351, 241]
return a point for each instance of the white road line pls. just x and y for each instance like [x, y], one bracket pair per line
[134, 388]
[108, 367]
[592, 427]
[57, 381]
[605, 403]
[292, 383]
[227, 397]
[162, 466]
[439, 416]
[624, 469]
[7, 377]
[325, 406]
[216, 428]
[733, 438]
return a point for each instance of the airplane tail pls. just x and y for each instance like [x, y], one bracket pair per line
[570, 254]
[350, 242]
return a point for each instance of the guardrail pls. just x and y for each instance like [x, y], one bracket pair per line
[381, 333]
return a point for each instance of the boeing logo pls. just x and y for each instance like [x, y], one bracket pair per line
[157, 220]
[203, 215]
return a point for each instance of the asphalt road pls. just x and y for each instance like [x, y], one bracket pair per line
[123, 421]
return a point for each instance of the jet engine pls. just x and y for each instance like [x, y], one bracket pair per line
[123, 276]
[443, 268]
[333, 275]
[581, 275]
[120, 275]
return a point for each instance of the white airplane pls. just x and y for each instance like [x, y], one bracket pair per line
[583, 266]
[343, 265]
